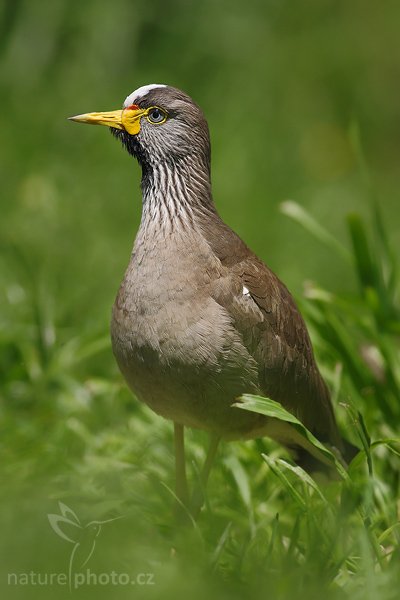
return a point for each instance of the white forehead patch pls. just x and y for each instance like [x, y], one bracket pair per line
[140, 92]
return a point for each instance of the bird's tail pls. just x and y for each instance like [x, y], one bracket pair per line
[349, 451]
[311, 464]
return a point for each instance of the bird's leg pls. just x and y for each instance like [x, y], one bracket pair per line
[212, 451]
[198, 496]
[181, 487]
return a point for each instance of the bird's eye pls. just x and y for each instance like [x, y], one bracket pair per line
[156, 115]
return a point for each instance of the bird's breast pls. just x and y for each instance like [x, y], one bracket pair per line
[176, 346]
[164, 307]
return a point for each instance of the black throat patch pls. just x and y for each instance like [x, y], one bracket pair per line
[130, 142]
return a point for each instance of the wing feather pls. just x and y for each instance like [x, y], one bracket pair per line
[274, 333]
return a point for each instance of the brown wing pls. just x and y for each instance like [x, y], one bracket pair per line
[274, 332]
[288, 371]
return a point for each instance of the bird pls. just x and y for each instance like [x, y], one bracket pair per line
[199, 320]
[69, 527]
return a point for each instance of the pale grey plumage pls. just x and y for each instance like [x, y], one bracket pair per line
[187, 339]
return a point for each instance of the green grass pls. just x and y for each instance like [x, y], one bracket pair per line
[282, 85]
[72, 433]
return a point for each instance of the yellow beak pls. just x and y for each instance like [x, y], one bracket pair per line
[127, 119]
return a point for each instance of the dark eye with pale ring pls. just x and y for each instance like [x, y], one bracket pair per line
[157, 115]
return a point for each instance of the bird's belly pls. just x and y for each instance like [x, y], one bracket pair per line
[186, 361]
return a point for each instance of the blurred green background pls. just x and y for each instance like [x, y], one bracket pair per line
[280, 82]
[285, 87]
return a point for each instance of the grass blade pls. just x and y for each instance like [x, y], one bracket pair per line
[270, 408]
[300, 215]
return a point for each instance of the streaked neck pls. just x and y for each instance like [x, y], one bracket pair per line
[176, 194]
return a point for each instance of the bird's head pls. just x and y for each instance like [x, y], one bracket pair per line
[157, 123]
